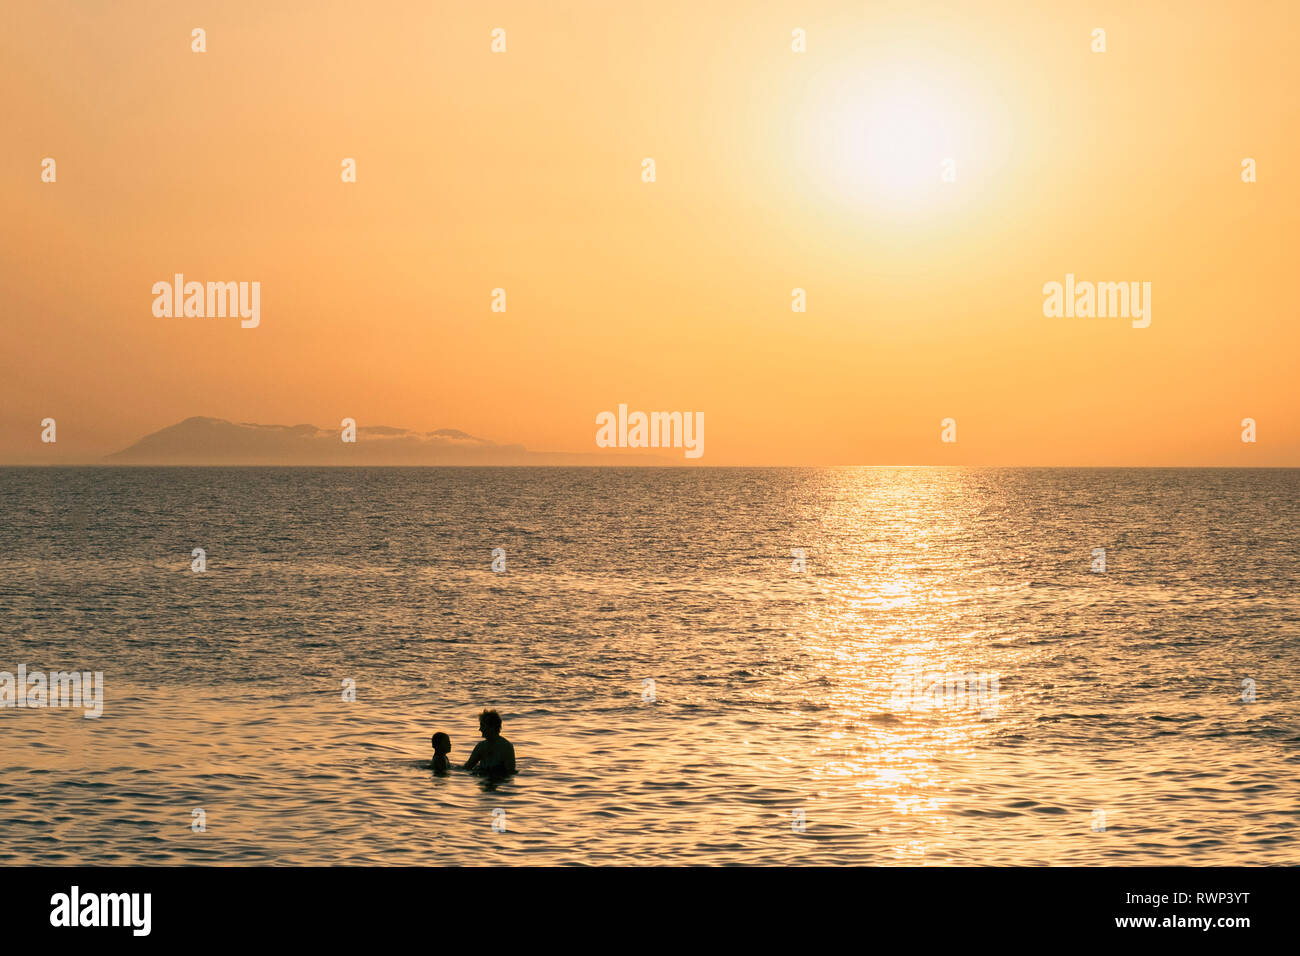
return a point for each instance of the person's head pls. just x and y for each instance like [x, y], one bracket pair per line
[441, 743]
[489, 724]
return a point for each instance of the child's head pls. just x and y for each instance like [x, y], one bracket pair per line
[441, 743]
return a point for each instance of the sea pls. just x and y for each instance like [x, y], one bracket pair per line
[720, 666]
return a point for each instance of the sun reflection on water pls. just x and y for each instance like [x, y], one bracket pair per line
[886, 621]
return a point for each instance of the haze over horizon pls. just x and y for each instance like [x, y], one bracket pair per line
[201, 440]
[208, 441]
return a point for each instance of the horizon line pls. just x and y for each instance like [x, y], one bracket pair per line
[666, 467]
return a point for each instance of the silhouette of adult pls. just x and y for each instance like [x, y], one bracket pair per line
[493, 754]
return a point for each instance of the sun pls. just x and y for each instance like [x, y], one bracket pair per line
[888, 138]
[890, 142]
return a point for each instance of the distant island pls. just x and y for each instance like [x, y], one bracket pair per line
[216, 441]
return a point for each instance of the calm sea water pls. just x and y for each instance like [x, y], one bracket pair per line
[1105, 723]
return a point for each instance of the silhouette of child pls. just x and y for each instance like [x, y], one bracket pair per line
[441, 747]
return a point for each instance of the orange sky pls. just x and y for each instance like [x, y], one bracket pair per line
[522, 170]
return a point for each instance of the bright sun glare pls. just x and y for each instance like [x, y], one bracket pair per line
[887, 139]
[889, 143]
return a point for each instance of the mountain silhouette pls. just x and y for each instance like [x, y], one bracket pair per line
[216, 441]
